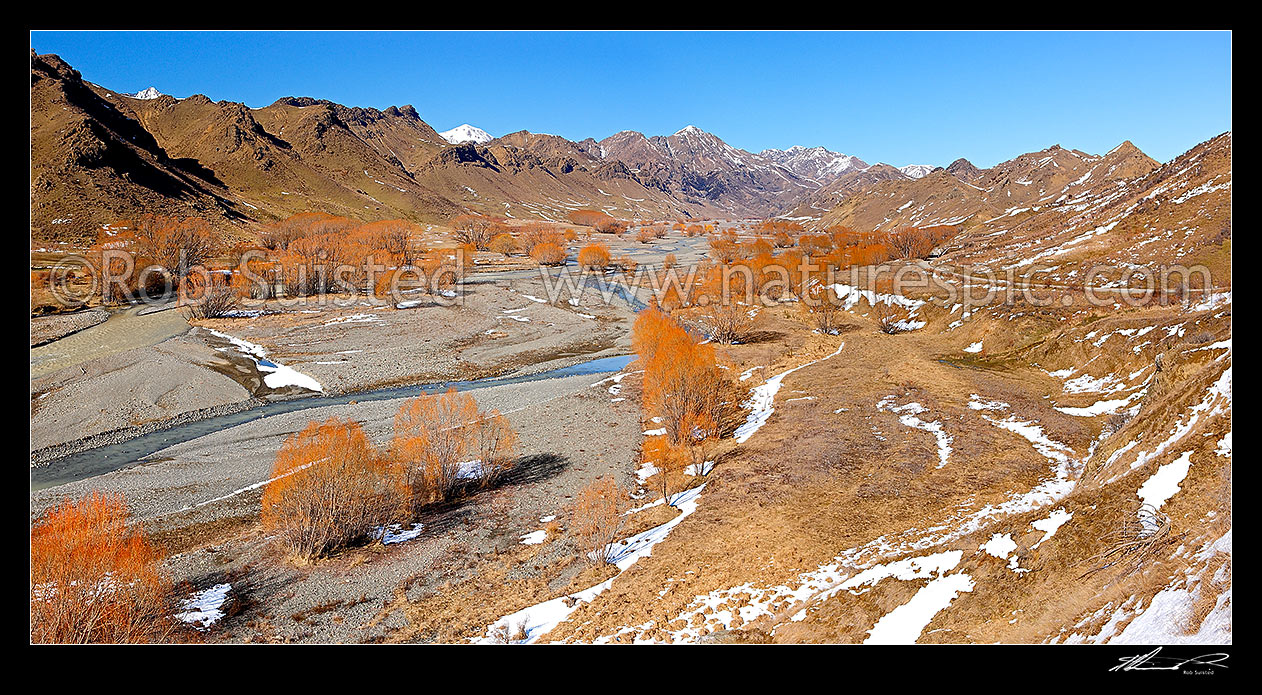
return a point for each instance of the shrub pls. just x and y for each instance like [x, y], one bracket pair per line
[493, 442]
[626, 264]
[892, 325]
[815, 245]
[724, 249]
[683, 384]
[394, 237]
[548, 253]
[175, 244]
[918, 242]
[777, 227]
[330, 489]
[444, 441]
[477, 230]
[503, 243]
[726, 323]
[588, 218]
[594, 256]
[209, 295]
[820, 309]
[279, 236]
[94, 578]
[597, 519]
[669, 460]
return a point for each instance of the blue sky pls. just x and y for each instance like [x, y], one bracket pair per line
[902, 98]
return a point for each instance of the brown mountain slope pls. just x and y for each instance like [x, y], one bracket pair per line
[300, 154]
[92, 164]
[502, 179]
[964, 170]
[99, 156]
[843, 187]
[1028, 181]
[1179, 213]
[700, 169]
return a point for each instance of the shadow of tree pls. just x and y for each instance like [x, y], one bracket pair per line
[527, 470]
[753, 337]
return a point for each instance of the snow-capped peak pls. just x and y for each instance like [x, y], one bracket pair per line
[689, 130]
[917, 171]
[466, 133]
[150, 93]
[816, 163]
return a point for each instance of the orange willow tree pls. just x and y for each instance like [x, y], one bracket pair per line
[685, 392]
[331, 488]
[595, 256]
[95, 579]
[443, 441]
[548, 253]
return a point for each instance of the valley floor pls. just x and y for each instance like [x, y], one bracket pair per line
[957, 483]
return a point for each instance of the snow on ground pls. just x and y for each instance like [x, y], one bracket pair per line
[616, 388]
[850, 296]
[354, 318]
[822, 583]
[646, 471]
[1224, 446]
[907, 415]
[1099, 407]
[276, 375]
[815, 587]
[1163, 620]
[1167, 618]
[1000, 546]
[395, 533]
[538, 620]
[1089, 384]
[904, 624]
[470, 470]
[205, 607]
[1051, 524]
[534, 537]
[628, 552]
[1162, 485]
[975, 347]
[706, 467]
[762, 398]
[1217, 399]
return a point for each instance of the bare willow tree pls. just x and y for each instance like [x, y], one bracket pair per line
[331, 488]
[598, 519]
[1138, 539]
[477, 230]
[820, 309]
[175, 244]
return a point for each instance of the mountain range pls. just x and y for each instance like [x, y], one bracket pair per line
[99, 156]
